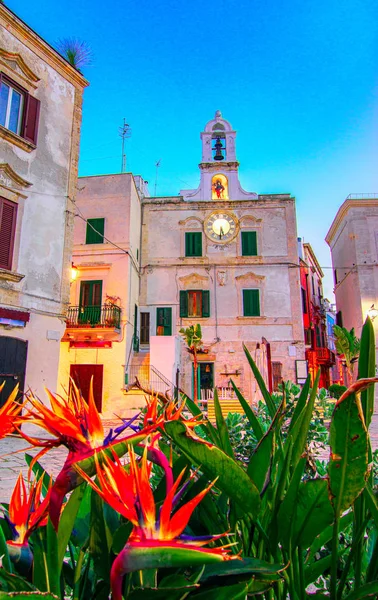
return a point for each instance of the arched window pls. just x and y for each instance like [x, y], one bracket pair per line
[219, 187]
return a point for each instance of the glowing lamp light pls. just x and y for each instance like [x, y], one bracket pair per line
[372, 312]
[74, 272]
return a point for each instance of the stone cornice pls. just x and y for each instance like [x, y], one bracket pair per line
[343, 211]
[218, 166]
[14, 180]
[34, 42]
[12, 57]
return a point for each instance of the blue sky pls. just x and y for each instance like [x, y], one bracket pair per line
[297, 80]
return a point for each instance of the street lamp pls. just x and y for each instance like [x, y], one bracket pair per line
[74, 272]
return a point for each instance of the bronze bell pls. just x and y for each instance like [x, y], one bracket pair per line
[218, 150]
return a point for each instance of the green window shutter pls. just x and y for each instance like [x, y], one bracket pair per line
[183, 303]
[249, 243]
[164, 319]
[167, 320]
[193, 243]
[95, 231]
[251, 303]
[206, 303]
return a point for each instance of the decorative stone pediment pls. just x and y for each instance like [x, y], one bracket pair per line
[193, 280]
[249, 221]
[249, 278]
[10, 179]
[18, 66]
[193, 222]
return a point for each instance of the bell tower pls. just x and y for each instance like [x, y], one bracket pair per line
[219, 167]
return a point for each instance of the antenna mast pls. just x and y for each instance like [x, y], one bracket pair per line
[124, 132]
[157, 165]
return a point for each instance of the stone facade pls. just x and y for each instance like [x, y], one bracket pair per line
[225, 272]
[38, 176]
[353, 240]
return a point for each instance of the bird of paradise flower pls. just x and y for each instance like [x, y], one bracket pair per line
[77, 425]
[157, 538]
[10, 413]
[26, 512]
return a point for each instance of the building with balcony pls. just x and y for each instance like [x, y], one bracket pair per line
[40, 119]
[353, 240]
[147, 267]
[101, 332]
[319, 354]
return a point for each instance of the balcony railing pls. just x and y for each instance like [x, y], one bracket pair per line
[94, 316]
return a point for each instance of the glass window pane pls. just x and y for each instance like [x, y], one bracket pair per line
[4, 93]
[15, 110]
[194, 304]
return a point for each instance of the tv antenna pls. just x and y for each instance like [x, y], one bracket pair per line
[157, 165]
[124, 132]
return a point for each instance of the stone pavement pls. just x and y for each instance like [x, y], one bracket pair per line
[12, 458]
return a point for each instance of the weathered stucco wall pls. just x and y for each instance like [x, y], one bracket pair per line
[42, 182]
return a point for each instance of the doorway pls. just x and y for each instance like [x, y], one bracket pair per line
[205, 377]
[82, 375]
[90, 302]
[13, 355]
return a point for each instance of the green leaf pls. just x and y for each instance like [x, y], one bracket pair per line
[67, 521]
[121, 536]
[6, 563]
[250, 566]
[222, 427]
[253, 420]
[52, 559]
[366, 368]
[208, 428]
[286, 516]
[301, 403]
[236, 592]
[314, 512]
[348, 465]
[215, 463]
[260, 463]
[11, 582]
[98, 546]
[299, 433]
[261, 383]
[369, 590]
[326, 535]
[28, 595]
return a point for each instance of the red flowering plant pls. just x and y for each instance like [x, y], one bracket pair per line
[157, 538]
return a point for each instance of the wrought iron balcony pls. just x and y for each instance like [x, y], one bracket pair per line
[105, 316]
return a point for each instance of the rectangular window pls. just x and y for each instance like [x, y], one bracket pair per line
[251, 303]
[19, 112]
[249, 243]
[8, 214]
[195, 303]
[164, 321]
[193, 243]
[304, 301]
[95, 231]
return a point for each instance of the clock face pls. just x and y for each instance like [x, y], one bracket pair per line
[221, 227]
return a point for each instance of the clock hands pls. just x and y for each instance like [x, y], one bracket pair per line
[221, 232]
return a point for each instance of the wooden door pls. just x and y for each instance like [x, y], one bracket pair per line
[90, 302]
[82, 375]
[13, 355]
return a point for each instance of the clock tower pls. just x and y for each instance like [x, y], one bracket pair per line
[219, 166]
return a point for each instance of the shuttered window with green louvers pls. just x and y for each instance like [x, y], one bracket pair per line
[95, 231]
[251, 303]
[193, 243]
[194, 303]
[249, 243]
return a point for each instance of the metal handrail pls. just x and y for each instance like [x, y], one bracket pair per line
[94, 316]
[361, 196]
[150, 377]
